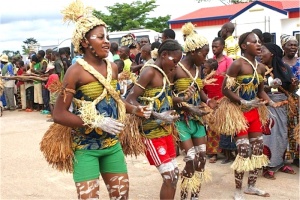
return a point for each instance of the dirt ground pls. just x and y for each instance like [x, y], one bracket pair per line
[26, 175]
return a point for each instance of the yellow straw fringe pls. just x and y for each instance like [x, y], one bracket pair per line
[242, 164]
[193, 40]
[131, 140]
[296, 133]
[263, 114]
[1, 86]
[259, 161]
[56, 146]
[190, 184]
[209, 118]
[230, 82]
[204, 176]
[228, 119]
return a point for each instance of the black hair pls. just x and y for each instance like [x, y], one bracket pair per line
[279, 68]
[222, 41]
[119, 62]
[21, 62]
[126, 49]
[34, 58]
[56, 53]
[155, 45]
[169, 33]
[169, 45]
[48, 51]
[212, 63]
[42, 53]
[259, 33]
[267, 37]
[219, 33]
[114, 47]
[64, 50]
[242, 39]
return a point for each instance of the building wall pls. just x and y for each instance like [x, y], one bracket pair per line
[289, 26]
[209, 32]
[258, 16]
[263, 18]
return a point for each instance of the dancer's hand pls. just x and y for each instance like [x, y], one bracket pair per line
[189, 93]
[295, 81]
[142, 111]
[212, 103]
[253, 103]
[277, 104]
[197, 110]
[275, 83]
[110, 125]
[168, 116]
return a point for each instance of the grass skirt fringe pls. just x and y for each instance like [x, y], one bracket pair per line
[263, 114]
[204, 176]
[259, 161]
[296, 133]
[56, 145]
[242, 164]
[131, 140]
[228, 118]
[209, 118]
[190, 184]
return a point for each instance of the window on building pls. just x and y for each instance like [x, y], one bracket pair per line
[297, 35]
[273, 38]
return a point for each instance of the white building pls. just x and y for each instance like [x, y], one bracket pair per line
[276, 17]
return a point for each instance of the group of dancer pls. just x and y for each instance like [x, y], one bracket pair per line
[168, 97]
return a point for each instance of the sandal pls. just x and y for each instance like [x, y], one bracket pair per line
[269, 174]
[213, 159]
[256, 191]
[287, 169]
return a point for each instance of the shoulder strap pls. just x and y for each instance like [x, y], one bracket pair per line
[190, 75]
[106, 83]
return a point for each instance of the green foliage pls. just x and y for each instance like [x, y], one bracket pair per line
[10, 53]
[158, 24]
[28, 42]
[126, 16]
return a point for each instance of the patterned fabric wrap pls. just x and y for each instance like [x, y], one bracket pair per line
[89, 138]
[155, 128]
[249, 90]
[181, 85]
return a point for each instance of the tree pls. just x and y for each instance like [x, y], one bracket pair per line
[10, 53]
[28, 42]
[126, 16]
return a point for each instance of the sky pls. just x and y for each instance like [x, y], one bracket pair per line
[42, 20]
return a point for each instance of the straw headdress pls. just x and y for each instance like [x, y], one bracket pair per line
[193, 40]
[84, 21]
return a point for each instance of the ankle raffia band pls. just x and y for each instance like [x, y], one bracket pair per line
[204, 176]
[191, 184]
[242, 164]
[259, 161]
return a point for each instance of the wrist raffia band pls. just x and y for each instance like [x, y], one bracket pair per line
[207, 100]
[271, 103]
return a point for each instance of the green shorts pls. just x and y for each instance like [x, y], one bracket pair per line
[88, 164]
[194, 130]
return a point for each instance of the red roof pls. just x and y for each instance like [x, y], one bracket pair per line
[213, 11]
[229, 10]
